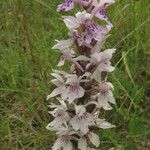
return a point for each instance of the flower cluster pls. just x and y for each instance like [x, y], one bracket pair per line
[84, 91]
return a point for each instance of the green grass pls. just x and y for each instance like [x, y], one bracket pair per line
[28, 29]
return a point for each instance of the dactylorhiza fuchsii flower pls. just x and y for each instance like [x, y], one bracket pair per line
[82, 120]
[60, 113]
[68, 87]
[69, 4]
[81, 93]
[91, 31]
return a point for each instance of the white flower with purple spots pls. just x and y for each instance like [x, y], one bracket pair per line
[105, 96]
[68, 86]
[82, 120]
[68, 54]
[95, 31]
[60, 113]
[90, 29]
[64, 140]
[100, 10]
[73, 89]
[102, 62]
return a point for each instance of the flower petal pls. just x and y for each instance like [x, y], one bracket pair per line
[64, 44]
[67, 5]
[68, 146]
[57, 145]
[56, 92]
[82, 144]
[77, 93]
[61, 63]
[107, 54]
[101, 123]
[56, 82]
[75, 123]
[94, 138]
[97, 75]
[71, 22]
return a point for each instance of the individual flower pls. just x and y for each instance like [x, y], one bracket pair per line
[60, 113]
[64, 140]
[90, 30]
[93, 138]
[73, 89]
[101, 61]
[68, 54]
[80, 18]
[105, 96]
[82, 120]
[69, 4]
[95, 31]
[59, 82]
[69, 89]
[100, 10]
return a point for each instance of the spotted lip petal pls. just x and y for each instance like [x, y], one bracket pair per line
[66, 5]
[105, 95]
[63, 142]
[60, 113]
[100, 11]
[82, 120]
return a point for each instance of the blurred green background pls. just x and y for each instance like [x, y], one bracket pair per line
[28, 29]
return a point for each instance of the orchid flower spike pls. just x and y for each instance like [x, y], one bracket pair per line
[81, 93]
